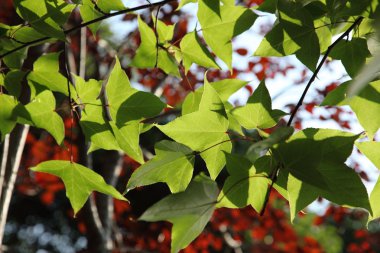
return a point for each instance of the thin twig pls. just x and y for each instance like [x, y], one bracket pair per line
[156, 34]
[4, 162]
[68, 31]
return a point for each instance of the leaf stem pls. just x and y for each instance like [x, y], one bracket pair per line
[300, 101]
[68, 31]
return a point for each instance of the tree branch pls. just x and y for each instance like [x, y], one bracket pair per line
[17, 143]
[68, 31]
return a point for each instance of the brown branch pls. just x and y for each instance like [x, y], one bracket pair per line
[68, 31]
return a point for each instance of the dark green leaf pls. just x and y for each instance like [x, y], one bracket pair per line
[245, 185]
[189, 211]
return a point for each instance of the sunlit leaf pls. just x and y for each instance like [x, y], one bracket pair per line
[8, 103]
[171, 165]
[146, 54]
[79, 181]
[258, 113]
[221, 23]
[40, 113]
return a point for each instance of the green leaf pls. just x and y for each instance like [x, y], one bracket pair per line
[245, 185]
[79, 181]
[210, 100]
[89, 12]
[225, 88]
[173, 165]
[338, 96]
[23, 34]
[95, 128]
[146, 53]
[46, 17]
[45, 75]
[214, 157]
[278, 136]
[12, 82]
[14, 60]
[367, 74]
[221, 23]
[294, 33]
[352, 53]
[314, 159]
[127, 106]
[365, 105]
[193, 51]
[189, 211]
[40, 113]
[371, 150]
[127, 137]
[8, 103]
[258, 113]
[207, 132]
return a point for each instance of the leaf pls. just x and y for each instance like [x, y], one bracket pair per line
[371, 150]
[214, 157]
[127, 106]
[210, 100]
[127, 137]
[12, 82]
[245, 185]
[46, 17]
[258, 113]
[40, 113]
[79, 181]
[8, 103]
[225, 88]
[95, 128]
[338, 96]
[278, 136]
[352, 53]
[365, 105]
[294, 33]
[46, 74]
[171, 165]
[315, 160]
[88, 11]
[367, 74]
[207, 132]
[189, 211]
[146, 53]
[15, 59]
[221, 23]
[193, 51]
